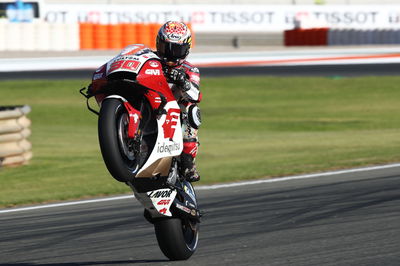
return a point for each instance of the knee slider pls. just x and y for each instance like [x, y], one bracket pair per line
[194, 116]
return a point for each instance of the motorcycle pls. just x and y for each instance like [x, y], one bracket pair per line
[140, 137]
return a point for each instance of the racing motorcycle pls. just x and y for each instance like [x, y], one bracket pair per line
[140, 137]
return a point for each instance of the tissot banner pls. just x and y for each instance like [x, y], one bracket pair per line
[226, 18]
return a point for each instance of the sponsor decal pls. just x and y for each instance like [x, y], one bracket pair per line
[126, 57]
[163, 202]
[155, 72]
[164, 148]
[171, 122]
[226, 18]
[190, 204]
[154, 64]
[163, 211]
[174, 37]
[160, 194]
[183, 208]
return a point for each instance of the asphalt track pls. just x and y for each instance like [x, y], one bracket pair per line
[342, 219]
[345, 70]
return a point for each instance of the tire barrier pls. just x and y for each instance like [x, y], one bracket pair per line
[15, 149]
[331, 37]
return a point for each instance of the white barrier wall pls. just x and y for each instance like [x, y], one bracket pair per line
[15, 149]
[39, 36]
[230, 18]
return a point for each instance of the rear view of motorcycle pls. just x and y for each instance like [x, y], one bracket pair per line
[140, 137]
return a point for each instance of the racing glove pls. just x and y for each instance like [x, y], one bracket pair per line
[178, 76]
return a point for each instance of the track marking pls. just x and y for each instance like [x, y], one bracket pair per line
[288, 178]
[228, 185]
[345, 59]
[65, 204]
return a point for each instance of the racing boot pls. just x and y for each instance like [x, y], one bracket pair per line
[189, 169]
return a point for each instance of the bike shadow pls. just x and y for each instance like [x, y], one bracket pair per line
[85, 263]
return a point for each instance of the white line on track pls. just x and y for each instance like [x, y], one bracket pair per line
[218, 186]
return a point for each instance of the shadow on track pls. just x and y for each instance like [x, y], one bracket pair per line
[88, 263]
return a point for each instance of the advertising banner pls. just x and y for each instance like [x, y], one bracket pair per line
[231, 18]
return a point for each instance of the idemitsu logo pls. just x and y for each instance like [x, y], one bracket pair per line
[168, 148]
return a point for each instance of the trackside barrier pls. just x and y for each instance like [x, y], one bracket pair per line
[363, 37]
[38, 36]
[117, 36]
[296, 37]
[42, 36]
[325, 36]
[15, 149]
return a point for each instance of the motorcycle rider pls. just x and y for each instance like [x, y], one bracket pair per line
[173, 45]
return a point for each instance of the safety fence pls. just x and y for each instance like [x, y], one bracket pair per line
[326, 36]
[41, 36]
[15, 149]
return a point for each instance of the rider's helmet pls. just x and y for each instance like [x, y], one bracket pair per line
[173, 42]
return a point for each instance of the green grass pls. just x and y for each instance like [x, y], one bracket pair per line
[253, 127]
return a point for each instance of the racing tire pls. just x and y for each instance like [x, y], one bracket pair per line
[120, 165]
[176, 239]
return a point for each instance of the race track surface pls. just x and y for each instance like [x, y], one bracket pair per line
[343, 219]
[350, 70]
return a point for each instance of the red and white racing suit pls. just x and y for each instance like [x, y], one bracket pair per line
[187, 101]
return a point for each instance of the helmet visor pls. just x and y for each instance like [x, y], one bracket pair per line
[173, 51]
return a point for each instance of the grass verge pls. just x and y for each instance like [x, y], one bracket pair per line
[253, 127]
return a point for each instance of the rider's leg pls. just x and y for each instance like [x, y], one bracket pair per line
[191, 123]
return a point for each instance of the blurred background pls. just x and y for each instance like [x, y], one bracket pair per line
[56, 25]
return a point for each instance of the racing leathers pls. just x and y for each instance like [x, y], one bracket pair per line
[184, 81]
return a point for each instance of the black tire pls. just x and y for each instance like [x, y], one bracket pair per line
[120, 165]
[176, 238]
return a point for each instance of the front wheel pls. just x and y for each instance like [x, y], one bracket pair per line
[120, 153]
[177, 238]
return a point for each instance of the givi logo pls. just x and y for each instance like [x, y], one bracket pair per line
[156, 72]
[170, 123]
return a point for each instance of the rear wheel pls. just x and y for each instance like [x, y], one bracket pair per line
[120, 153]
[177, 238]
